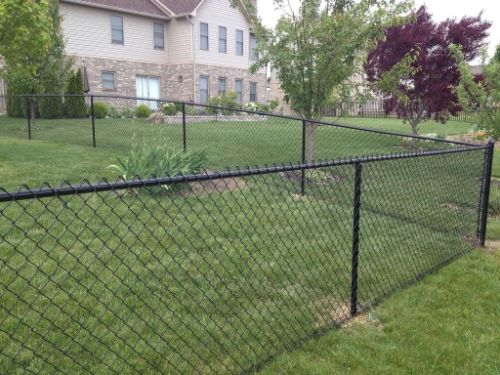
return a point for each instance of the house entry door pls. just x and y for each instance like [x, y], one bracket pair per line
[148, 88]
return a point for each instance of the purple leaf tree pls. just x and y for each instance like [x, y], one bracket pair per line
[414, 69]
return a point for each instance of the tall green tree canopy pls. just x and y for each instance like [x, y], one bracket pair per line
[32, 45]
[25, 39]
[481, 95]
[318, 48]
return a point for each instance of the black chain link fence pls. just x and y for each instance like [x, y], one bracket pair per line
[229, 136]
[221, 271]
[375, 109]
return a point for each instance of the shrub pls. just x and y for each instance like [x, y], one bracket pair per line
[142, 111]
[16, 106]
[101, 110]
[50, 107]
[254, 107]
[192, 110]
[74, 102]
[226, 101]
[170, 109]
[272, 105]
[151, 160]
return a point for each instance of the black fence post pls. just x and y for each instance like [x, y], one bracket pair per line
[355, 238]
[92, 115]
[28, 115]
[303, 159]
[485, 192]
[184, 140]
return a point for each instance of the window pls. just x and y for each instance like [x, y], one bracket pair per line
[222, 86]
[253, 92]
[204, 36]
[254, 56]
[159, 35]
[222, 39]
[239, 91]
[108, 80]
[204, 90]
[148, 87]
[239, 43]
[117, 29]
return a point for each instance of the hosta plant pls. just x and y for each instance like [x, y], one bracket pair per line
[152, 160]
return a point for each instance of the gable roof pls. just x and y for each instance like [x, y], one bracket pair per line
[163, 9]
[140, 7]
[180, 7]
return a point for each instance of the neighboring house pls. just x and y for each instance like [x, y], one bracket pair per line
[177, 49]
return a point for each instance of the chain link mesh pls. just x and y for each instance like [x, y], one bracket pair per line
[222, 271]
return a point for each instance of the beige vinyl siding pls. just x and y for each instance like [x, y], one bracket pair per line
[220, 13]
[87, 32]
[179, 40]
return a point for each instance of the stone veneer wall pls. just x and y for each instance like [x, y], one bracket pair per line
[176, 81]
[231, 75]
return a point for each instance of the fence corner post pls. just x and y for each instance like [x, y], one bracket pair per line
[355, 238]
[92, 115]
[28, 115]
[303, 158]
[184, 140]
[485, 192]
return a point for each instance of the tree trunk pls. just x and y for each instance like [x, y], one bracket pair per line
[310, 130]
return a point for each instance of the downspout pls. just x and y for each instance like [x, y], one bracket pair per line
[188, 18]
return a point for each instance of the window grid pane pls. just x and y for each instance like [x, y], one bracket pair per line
[159, 35]
[253, 92]
[222, 87]
[222, 39]
[117, 29]
[204, 90]
[204, 36]
[253, 48]
[239, 91]
[108, 80]
[239, 43]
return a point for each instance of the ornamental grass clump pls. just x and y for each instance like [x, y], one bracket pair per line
[146, 161]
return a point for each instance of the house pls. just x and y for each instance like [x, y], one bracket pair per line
[184, 50]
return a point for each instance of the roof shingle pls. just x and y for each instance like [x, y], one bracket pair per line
[144, 7]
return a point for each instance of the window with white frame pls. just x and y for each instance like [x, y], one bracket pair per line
[159, 35]
[254, 55]
[253, 92]
[117, 30]
[204, 94]
[204, 36]
[238, 87]
[222, 86]
[222, 39]
[108, 80]
[239, 43]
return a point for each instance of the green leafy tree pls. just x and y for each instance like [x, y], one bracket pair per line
[316, 50]
[54, 73]
[481, 95]
[32, 46]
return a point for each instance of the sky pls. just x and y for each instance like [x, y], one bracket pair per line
[440, 9]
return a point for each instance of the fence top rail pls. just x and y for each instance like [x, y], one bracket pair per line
[105, 186]
[295, 118]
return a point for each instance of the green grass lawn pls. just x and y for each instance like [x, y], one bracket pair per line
[61, 149]
[447, 324]
[216, 281]
[396, 125]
